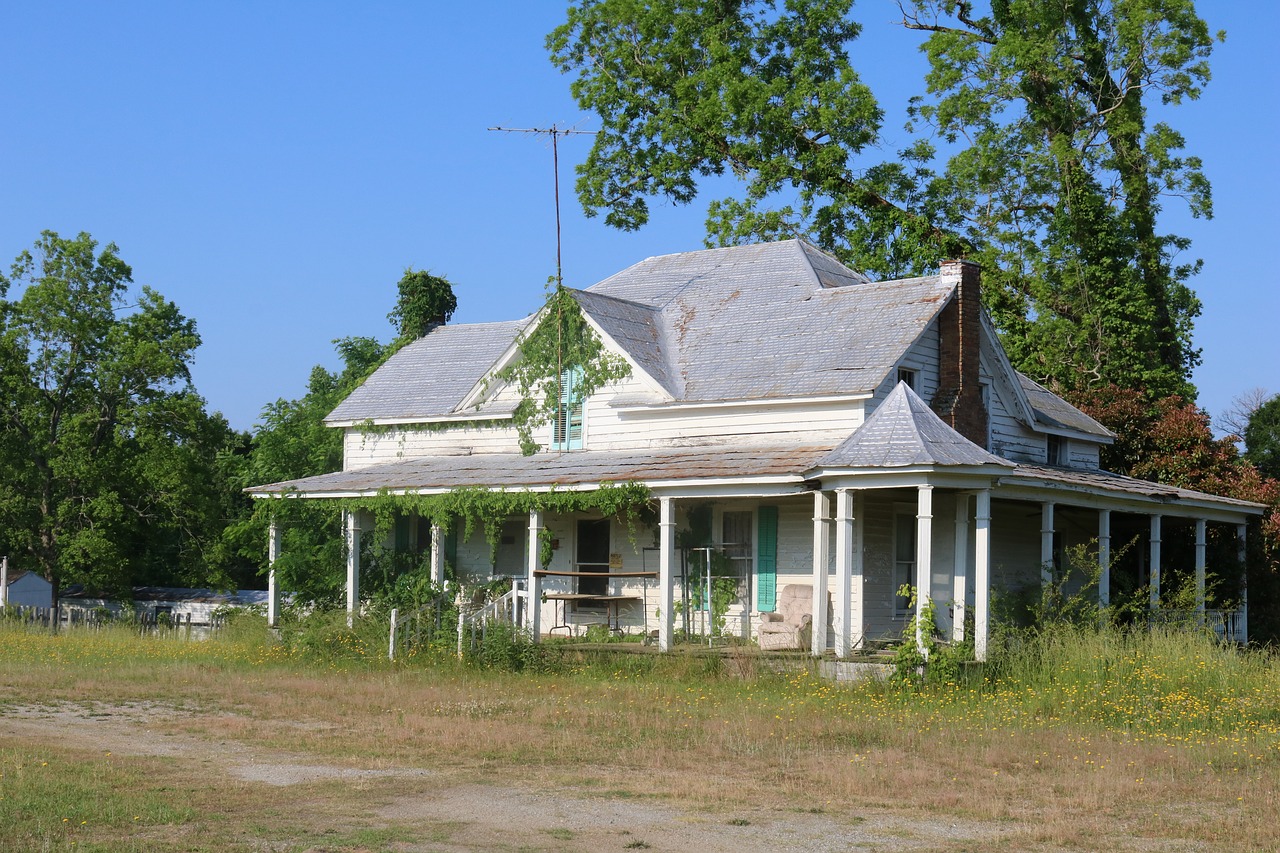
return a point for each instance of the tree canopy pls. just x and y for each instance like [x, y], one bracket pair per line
[109, 472]
[1032, 153]
[422, 300]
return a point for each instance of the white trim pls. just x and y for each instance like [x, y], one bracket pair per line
[461, 417]
[756, 403]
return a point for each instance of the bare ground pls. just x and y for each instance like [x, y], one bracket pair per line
[444, 810]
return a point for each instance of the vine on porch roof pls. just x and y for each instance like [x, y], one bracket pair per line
[562, 339]
[489, 508]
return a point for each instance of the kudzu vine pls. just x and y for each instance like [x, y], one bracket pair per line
[487, 509]
[561, 340]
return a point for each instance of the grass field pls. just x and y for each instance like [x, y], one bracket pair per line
[113, 741]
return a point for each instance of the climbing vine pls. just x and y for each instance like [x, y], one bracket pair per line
[487, 509]
[561, 340]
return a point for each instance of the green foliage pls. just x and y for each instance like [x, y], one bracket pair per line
[560, 340]
[1262, 438]
[1031, 153]
[923, 658]
[111, 471]
[423, 300]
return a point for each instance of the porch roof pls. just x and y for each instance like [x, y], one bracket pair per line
[1106, 483]
[903, 431]
[579, 468]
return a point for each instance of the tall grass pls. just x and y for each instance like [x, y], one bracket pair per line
[1160, 683]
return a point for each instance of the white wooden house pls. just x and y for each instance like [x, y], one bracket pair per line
[822, 428]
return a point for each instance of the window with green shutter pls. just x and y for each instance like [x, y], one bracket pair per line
[767, 559]
[567, 429]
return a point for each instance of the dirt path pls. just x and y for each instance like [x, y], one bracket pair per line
[474, 817]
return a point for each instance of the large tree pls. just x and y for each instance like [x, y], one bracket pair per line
[1052, 175]
[108, 460]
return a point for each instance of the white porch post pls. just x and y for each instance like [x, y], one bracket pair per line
[1155, 563]
[857, 621]
[4, 581]
[844, 571]
[982, 573]
[533, 618]
[273, 590]
[353, 564]
[1201, 560]
[1046, 543]
[437, 554]
[1242, 625]
[960, 571]
[1104, 557]
[924, 556]
[666, 564]
[821, 554]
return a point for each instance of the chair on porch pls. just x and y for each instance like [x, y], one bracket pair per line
[789, 626]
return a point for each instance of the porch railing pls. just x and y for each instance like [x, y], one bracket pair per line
[509, 608]
[1227, 625]
[424, 622]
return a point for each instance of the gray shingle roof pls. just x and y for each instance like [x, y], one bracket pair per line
[1056, 413]
[586, 467]
[904, 431]
[775, 320]
[429, 377]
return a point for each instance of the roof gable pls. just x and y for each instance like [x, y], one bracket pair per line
[429, 377]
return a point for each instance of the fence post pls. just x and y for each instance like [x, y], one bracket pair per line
[391, 647]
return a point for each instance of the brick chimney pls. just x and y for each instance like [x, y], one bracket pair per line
[959, 397]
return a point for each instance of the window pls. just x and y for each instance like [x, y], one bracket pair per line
[904, 558]
[566, 432]
[736, 531]
[907, 375]
[767, 560]
[1055, 450]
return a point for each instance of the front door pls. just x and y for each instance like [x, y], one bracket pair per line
[593, 555]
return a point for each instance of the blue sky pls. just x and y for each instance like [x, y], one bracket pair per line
[273, 167]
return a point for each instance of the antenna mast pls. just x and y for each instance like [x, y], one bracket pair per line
[555, 132]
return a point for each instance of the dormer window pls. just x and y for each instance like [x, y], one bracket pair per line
[566, 432]
[907, 375]
[1055, 450]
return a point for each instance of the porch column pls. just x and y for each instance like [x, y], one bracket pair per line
[666, 563]
[857, 621]
[1104, 558]
[273, 591]
[353, 564]
[1046, 543]
[982, 573]
[821, 554]
[1242, 623]
[844, 571]
[1200, 569]
[924, 556]
[4, 581]
[533, 617]
[1155, 563]
[960, 571]
[437, 554]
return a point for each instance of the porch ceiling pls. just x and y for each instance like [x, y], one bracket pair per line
[569, 469]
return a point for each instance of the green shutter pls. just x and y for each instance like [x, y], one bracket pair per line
[767, 559]
[567, 430]
[402, 534]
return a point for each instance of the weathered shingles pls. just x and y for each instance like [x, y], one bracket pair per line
[430, 376]
[1107, 480]
[513, 471]
[638, 329]
[904, 431]
[1053, 411]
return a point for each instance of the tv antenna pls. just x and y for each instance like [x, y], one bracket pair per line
[555, 132]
